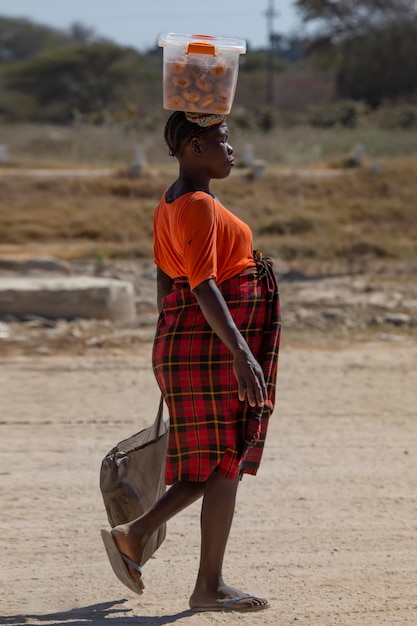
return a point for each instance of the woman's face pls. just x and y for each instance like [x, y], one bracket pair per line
[216, 152]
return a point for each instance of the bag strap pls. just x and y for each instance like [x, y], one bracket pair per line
[159, 427]
[160, 416]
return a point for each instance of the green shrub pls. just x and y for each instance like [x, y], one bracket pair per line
[344, 113]
[401, 116]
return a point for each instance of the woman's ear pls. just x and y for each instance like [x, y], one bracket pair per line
[195, 145]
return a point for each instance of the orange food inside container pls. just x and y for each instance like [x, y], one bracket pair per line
[206, 101]
[204, 84]
[220, 107]
[178, 65]
[181, 81]
[176, 103]
[218, 69]
[192, 96]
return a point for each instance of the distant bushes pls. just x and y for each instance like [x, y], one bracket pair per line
[87, 80]
[345, 113]
[350, 114]
[400, 116]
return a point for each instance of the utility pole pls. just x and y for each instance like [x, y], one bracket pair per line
[270, 14]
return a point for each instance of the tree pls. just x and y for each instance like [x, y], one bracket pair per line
[379, 66]
[338, 20]
[371, 44]
[84, 79]
[22, 39]
[81, 34]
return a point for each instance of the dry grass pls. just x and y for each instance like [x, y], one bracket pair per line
[115, 145]
[339, 223]
[87, 217]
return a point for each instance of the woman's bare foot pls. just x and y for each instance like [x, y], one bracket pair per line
[131, 539]
[131, 543]
[225, 598]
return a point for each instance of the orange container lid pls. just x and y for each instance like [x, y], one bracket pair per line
[187, 42]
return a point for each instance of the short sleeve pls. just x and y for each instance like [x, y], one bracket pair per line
[198, 222]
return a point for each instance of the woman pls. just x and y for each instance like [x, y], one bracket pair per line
[214, 357]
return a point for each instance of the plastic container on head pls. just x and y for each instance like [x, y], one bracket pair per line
[200, 72]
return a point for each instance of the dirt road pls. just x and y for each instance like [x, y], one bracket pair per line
[327, 531]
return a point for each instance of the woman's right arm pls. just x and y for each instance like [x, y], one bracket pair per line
[164, 284]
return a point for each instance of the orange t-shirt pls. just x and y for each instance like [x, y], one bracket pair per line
[197, 237]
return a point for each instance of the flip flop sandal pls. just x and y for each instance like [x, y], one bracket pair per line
[119, 562]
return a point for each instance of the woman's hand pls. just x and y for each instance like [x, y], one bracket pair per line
[250, 378]
[248, 372]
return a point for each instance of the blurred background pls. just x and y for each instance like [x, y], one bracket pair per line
[324, 127]
[318, 65]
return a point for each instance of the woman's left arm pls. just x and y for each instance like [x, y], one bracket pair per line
[248, 372]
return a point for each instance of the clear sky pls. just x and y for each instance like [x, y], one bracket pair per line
[138, 23]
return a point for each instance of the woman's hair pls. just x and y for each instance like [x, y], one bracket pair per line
[178, 130]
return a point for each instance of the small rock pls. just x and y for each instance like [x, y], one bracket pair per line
[4, 331]
[43, 350]
[94, 342]
[398, 319]
[390, 337]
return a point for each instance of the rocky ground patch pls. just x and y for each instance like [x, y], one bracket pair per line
[317, 308]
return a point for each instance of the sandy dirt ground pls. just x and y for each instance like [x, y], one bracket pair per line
[326, 531]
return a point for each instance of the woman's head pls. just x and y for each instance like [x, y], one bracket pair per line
[202, 146]
[182, 127]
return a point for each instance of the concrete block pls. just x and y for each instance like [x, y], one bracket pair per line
[67, 297]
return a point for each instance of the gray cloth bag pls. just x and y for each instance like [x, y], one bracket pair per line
[132, 478]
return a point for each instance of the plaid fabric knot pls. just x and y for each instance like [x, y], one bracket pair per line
[264, 265]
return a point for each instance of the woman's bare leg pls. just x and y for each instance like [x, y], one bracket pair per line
[216, 521]
[131, 538]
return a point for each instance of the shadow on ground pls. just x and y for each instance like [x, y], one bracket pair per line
[104, 614]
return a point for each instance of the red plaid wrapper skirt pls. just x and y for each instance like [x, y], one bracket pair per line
[210, 428]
